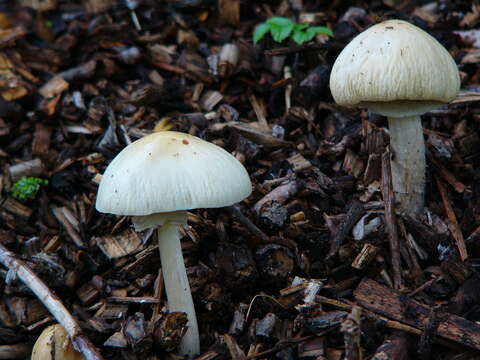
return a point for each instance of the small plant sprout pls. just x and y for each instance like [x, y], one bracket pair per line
[398, 70]
[281, 28]
[27, 187]
[156, 180]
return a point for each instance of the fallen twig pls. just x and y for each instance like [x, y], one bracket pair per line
[391, 304]
[452, 220]
[391, 227]
[355, 213]
[351, 333]
[254, 230]
[80, 342]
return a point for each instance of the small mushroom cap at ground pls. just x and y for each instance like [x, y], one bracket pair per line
[169, 171]
[396, 69]
[54, 343]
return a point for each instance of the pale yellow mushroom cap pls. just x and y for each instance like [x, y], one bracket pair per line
[169, 171]
[396, 69]
[54, 344]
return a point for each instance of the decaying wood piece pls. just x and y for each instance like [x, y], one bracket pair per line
[80, 342]
[391, 304]
[88, 293]
[32, 167]
[70, 223]
[299, 163]
[239, 320]
[425, 344]
[255, 134]
[261, 112]
[228, 60]
[53, 87]
[366, 255]
[453, 225]
[467, 295]
[41, 140]
[447, 175]
[16, 208]
[264, 327]
[157, 294]
[392, 324]
[210, 99]
[396, 347]
[254, 230]
[123, 244]
[390, 222]
[354, 213]
[351, 334]
[229, 11]
[236, 352]
[279, 195]
[17, 351]
[97, 6]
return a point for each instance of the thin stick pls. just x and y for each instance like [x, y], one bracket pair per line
[351, 334]
[354, 213]
[389, 201]
[452, 223]
[158, 286]
[80, 342]
[392, 324]
[254, 230]
[288, 89]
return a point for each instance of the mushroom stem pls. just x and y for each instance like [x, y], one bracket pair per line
[176, 284]
[408, 163]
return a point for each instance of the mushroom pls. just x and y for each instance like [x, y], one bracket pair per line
[399, 71]
[156, 180]
[54, 343]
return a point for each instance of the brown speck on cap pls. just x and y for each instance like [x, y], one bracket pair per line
[389, 27]
[185, 142]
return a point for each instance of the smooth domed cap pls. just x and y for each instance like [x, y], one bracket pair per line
[169, 171]
[54, 343]
[396, 62]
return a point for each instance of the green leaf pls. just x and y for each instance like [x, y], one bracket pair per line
[300, 27]
[300, 37]
[280, 33]
[314, 30]
[260, 32]
[280, 21]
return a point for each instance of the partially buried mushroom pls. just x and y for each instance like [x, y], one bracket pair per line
[54, 344]
[156, 180]
[398, 70]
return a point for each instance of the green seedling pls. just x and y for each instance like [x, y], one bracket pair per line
[281, 27]
[27, 187]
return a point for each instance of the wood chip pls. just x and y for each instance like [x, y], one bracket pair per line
[53, 87]
[452, 220]
[391, 304]
[114, 247]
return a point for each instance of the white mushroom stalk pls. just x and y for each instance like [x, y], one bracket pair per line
[408, 162]
[156, 180]
[398, 70]
[175, 277]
